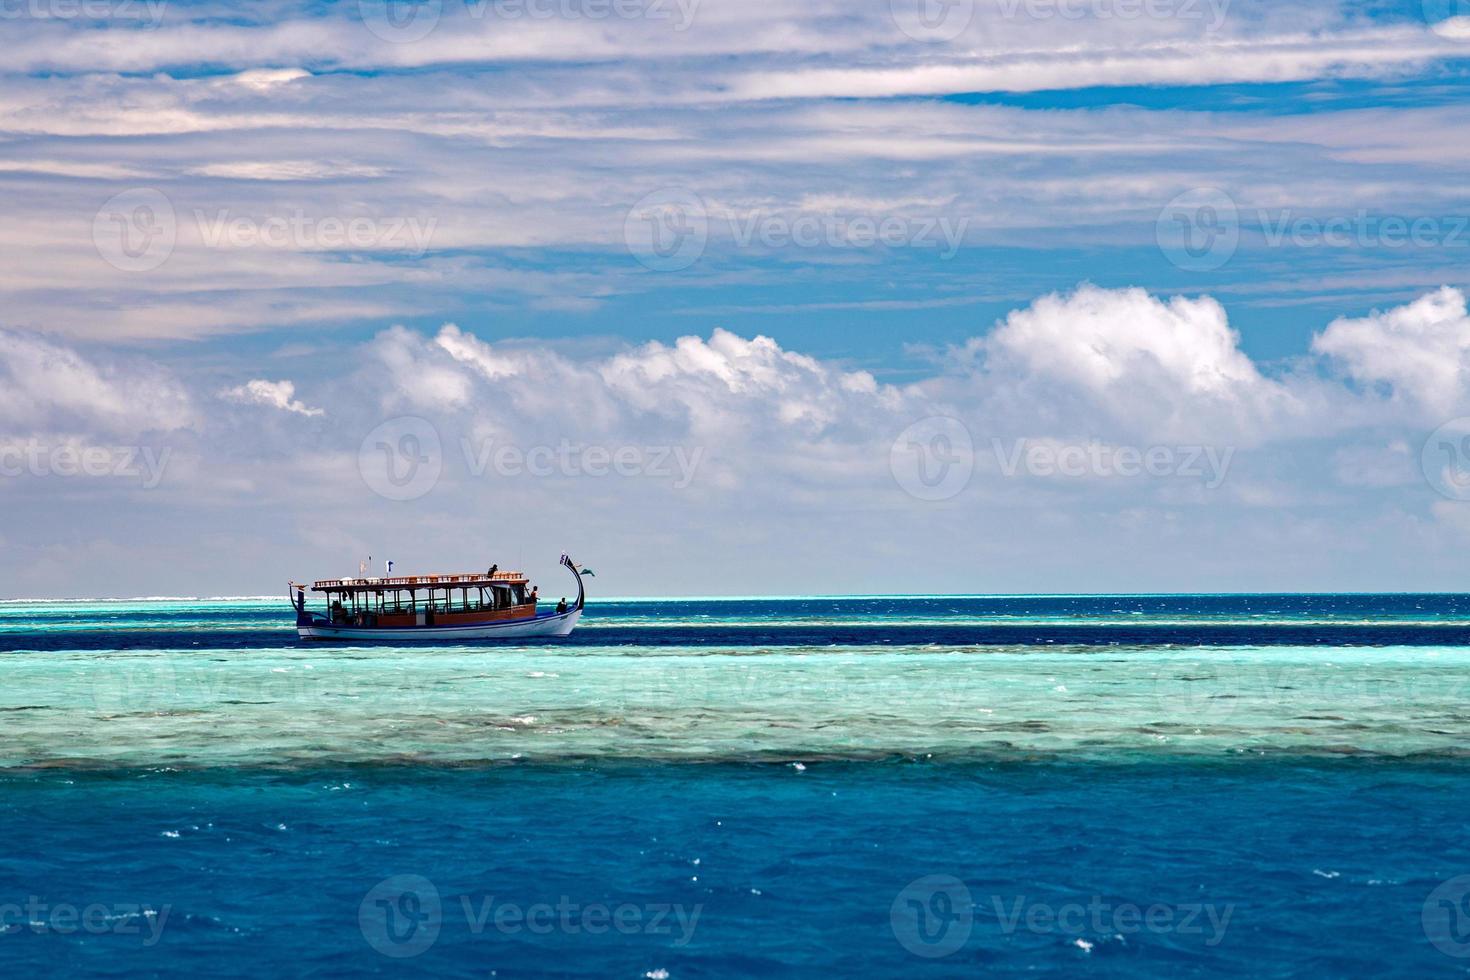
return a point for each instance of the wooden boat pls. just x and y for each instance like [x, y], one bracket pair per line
[469, 606]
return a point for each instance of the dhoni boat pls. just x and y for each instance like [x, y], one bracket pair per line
[468, 606]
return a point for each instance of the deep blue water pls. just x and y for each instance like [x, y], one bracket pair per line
[1403, 619]
[1286, 870]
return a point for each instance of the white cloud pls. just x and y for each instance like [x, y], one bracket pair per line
[1421, 351]
[46, 385]
[727, 383]
[273, 394]
[419, 377]
[1131, 362]
[265, 79]
[774, 405]
[802, 441]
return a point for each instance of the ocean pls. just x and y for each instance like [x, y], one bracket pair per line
[1111, 785]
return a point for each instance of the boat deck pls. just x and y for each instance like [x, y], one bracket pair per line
[465, 580]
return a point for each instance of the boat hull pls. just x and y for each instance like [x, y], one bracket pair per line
[547, 625]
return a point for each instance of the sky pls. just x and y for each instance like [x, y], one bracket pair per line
[733, 298]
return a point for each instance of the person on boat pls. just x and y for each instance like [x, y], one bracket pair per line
[493, 569]
[535, 589]
[561, 607]
[338, 613]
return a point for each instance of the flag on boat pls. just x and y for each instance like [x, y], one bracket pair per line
[390, 567]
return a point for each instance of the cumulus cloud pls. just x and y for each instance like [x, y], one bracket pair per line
[763, 426]
[1119, 365]
[1126, 360]
[727, 382]
[45, 385]
[762, 417]
[419, 378]
[1419, 352]
[273, 394]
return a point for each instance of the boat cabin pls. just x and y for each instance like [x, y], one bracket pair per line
[424, 600]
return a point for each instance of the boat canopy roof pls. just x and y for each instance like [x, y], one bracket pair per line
[464, 580]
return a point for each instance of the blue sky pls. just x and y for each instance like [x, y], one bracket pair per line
[804, 264]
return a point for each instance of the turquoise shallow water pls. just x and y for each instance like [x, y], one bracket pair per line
[299, 705]
[224, 682]
[1127, 786]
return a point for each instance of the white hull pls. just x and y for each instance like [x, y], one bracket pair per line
[552, 624]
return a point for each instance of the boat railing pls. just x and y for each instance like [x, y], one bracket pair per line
[408, 581]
